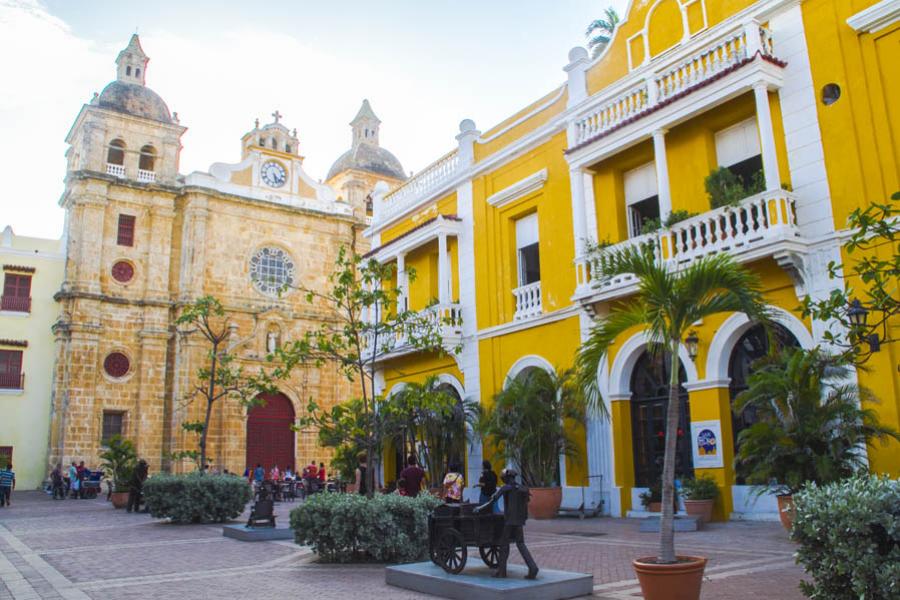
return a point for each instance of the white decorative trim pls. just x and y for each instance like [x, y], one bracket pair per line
[730, 331]
[619, 397]
[12, 392]
[454, 382]
[627, 357]
[419, 237]
[15, 314]
[527, 362]
[513, 326]
[525, 117]
[876, 17]
[521, 188]
[707, 384]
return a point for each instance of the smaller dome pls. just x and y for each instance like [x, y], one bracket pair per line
[134, 99]
[367, 157]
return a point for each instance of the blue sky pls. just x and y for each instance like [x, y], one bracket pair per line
[423, 65]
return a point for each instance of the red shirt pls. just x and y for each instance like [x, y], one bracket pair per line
[322, 474]
[413, 475]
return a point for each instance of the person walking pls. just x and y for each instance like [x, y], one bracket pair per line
[453, 484]
[321, 474]
[136, 486]
[56, 481]
[7, 484]
[259, 474]
[412, 476]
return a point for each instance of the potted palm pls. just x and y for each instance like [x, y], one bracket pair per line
[526, 424]
[700, 495]
[119, 460]
[810, 424]
[666, 304]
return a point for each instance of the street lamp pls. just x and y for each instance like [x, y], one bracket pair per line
[692, 342]
[858, 314]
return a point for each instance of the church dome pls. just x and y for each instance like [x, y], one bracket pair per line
[134, 99]
[366, 157]
[365, 153]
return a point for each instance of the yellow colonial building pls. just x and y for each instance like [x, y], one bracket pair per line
[32, 274]
[143, 240]
[793, 98]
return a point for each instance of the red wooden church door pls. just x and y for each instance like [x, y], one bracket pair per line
[270, 439]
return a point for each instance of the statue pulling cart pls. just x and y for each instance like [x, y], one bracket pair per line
[453, 528]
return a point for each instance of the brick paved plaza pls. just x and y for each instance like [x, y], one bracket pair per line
[84, 549]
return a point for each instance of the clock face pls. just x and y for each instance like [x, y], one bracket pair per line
[273, 174]
[272, 271]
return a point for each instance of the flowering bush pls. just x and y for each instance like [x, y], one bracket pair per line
[350, 527]
[848, 533]
[196, 497]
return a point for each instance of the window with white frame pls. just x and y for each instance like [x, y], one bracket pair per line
[527, 250]
[737, 149]
[641, 197]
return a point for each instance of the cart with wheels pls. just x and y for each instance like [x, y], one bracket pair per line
[454, 528]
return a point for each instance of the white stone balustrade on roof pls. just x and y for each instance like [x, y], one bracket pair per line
[447, 317]
[427, 181]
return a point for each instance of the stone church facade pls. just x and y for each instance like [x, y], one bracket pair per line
[144, 240]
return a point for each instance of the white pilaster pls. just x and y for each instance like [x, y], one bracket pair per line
[751, 34]
[766, 136]
[468, 133]
[576, 69]
[579, 211]
[444, 270]
[402, 283]
[662, 174]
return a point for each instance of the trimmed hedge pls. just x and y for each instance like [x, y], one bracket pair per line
[349, 527]
[196, 497]
[849, 535]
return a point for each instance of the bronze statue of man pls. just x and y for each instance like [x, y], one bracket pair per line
[515, 513]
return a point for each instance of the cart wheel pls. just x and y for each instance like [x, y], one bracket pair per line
[434, 555]
[451, 551]
[490, 555]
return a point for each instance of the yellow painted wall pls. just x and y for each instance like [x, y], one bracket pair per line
[557, 103]
[25, 415]
[444, 206]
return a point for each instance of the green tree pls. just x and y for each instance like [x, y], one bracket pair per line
[364, 322]
[119, 460]
[220, 377]
[873, 250]
[600, 31]
[667, 303]
[810, 426]
[527, 423]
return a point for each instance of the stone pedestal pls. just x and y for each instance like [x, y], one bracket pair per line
[476, 582]
[651, 524]
[257, 534]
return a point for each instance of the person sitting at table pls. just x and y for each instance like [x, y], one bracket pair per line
[289, 474]
[275, 474]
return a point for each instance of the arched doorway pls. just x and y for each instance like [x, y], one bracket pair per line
[649, 401]
[270, 439]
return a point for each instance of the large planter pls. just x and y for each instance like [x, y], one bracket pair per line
[654, 507]
[119, 499]
[544, 503]
[678, 581]
[702, 509]
[786, 510]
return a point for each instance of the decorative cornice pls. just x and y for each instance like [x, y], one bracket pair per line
[513, 326]
[14, 343]
[876, 17]
[532, 183]
[706, 384]
[19, 269]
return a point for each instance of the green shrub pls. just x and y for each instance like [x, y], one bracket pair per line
[119, 460]
[196, 497]
[848, 532]
[699, 488]
[350, 527]
[724, 188]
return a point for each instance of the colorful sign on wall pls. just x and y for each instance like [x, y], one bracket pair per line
[706, 444]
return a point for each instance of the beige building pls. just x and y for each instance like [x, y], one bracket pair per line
[144, 240]
[32, 273]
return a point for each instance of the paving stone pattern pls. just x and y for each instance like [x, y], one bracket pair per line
[83, 550]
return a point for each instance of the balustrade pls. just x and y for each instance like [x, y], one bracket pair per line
[115, 170]
[419, 185]
[146, 176]
[16, 303]
[528, 301]
[12, 381]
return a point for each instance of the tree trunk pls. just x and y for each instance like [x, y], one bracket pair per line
[210, 394]
[667, 520]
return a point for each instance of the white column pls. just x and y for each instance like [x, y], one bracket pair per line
[468, 133]
[752, 38]
[766, 136]
[662, 174]
[576, 70]
[443, 270]
[401, 283]
[579, 212]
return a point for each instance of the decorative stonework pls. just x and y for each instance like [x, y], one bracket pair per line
[116, 365]
[272, 271]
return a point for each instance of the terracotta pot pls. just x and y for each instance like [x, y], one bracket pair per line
[544, 503]
[655, 507]
[786, 510]
[702, 509]
[119, 499]
[679, 581]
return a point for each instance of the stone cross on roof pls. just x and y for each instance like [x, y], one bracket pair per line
[277, 115]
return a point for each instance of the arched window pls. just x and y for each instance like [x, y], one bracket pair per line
[137, 72]
[751, 346]
[148, 158]
[116, 153]
[287, 148]
[128, 70]
[649, 402]
[262, 143]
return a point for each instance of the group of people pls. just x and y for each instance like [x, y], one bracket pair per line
[69, 483]
[412, 478]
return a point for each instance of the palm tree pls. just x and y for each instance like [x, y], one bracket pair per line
[667, 302]
[810, 424]
[600, 31]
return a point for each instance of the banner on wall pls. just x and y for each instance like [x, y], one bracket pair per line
[706, 444]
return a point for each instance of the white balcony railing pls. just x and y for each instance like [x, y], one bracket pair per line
[757, 222]
[669, 78]
[419, 185]
[447, 317]
[146, 176]
[115, 170]
[528, 301]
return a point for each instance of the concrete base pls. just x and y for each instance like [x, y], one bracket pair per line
[257, 534]
[681, 524]
[476, 582]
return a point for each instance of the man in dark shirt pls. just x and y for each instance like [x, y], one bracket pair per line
[515, 503]
[412, 476]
